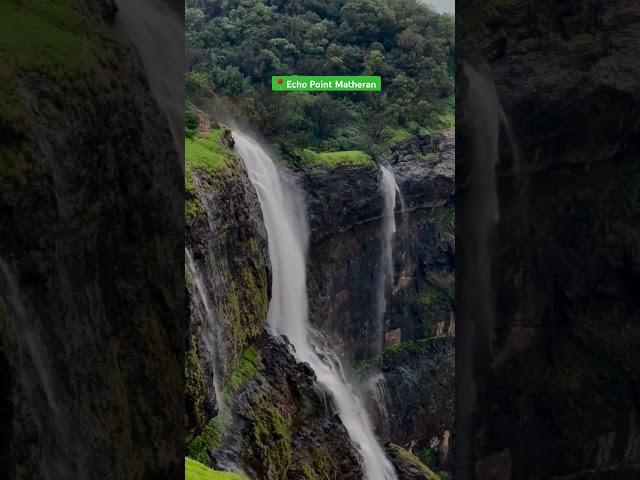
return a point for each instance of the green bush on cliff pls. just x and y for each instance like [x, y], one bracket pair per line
[191, 123]
[197, 471]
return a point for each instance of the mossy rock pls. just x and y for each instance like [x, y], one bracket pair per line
[409, 460]
[270, 449]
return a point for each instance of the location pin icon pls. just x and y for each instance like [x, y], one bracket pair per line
[279, 81]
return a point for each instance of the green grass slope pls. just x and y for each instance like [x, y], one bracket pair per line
[196, 471]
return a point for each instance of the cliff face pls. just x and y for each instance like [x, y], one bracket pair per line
[413, 401]
[89, 234]
[563, 366]
[272, 421]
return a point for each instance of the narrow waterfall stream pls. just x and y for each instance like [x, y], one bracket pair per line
[210, 328]
[390, 192]
[487, 117]
[287, 231]
[58, 441]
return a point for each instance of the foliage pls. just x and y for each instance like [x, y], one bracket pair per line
[415, 462]
[335, 159]
[235, 46]
[207, 441]
[190, 123]
[197, 471]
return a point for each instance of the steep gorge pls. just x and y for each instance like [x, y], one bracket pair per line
[275, 420]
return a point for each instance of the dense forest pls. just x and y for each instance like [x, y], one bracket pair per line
[235, 46]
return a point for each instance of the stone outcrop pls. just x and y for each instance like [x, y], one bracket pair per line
[345, 207]
[276, 421]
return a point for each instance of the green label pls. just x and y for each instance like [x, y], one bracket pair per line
[297, 83]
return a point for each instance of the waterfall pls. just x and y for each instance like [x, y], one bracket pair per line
[157, 31]
[486, 117]
[58, 442]
[376, 386]
[210, 329]
[287, 231]
[390, 191]
[480, 212]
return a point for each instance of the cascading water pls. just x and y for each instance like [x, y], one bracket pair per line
[210, 327]
[376, 385]
[287, 231]
[390, 191]
[58, 444]
[478, 198]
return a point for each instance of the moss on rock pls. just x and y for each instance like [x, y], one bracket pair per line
[270, 443]
[410, 460]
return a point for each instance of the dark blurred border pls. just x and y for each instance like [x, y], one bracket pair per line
[548, 335]
[91, 239]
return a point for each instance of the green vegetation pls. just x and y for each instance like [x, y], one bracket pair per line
[235, 46]
[247, 370]
[59, 42]
[271, 442]
[335, 159]
[436, 294]
[415, 462]
[197, 471]
[211, 436]
[207, 152]
[245, 313]
[207, 441]
[445, 218]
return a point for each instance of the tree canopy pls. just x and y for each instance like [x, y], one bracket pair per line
[234, 47]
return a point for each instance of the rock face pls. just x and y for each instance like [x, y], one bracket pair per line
[273, 421]
[346, 207]
[89, 235]
[564, 255]
[227, 242]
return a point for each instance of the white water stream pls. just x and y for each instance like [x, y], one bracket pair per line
[210, 329]
[58, 440]
[287, 230]
[390, 192]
